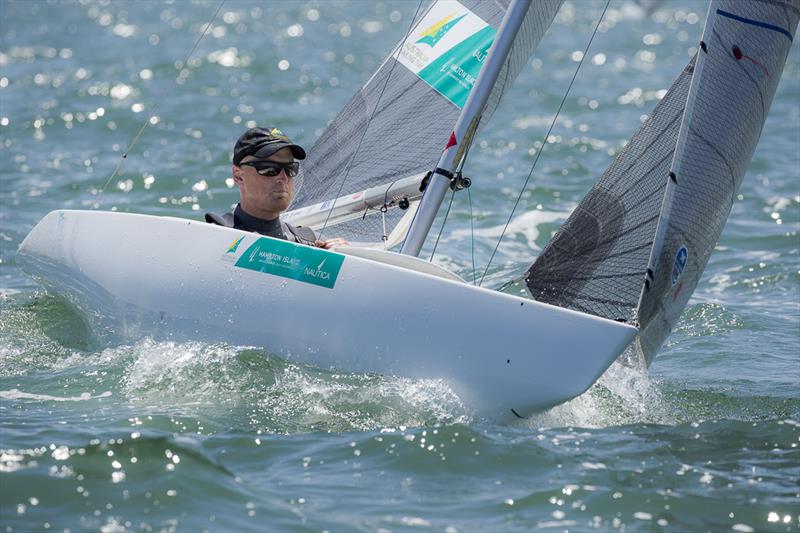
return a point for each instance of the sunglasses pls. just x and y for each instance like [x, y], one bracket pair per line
[271, 169]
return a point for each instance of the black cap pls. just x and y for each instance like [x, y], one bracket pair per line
[263, 142]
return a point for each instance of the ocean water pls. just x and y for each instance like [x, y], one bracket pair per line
[159, 436]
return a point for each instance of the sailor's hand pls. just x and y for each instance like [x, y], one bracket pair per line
[329, 244]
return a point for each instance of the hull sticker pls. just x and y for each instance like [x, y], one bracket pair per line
[293, 261]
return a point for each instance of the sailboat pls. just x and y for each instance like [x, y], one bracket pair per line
[615, 277]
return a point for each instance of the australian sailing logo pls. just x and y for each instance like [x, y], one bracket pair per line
[434, 33]
[447, 49]
[234, 245]
[230, 253]
[679, 264]
[275, 132]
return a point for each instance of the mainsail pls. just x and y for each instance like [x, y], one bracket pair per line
[397, 124]
[742, 55]
[635, 247]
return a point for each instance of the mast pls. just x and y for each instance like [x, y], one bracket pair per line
[465, 127]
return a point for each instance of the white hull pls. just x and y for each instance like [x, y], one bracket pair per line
[172, 278]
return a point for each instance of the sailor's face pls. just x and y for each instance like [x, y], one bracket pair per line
[265, 196]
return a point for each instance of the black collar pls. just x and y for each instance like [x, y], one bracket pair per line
[270, 228]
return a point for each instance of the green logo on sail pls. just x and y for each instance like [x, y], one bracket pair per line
[454, 73]
[432, 35]
[289, 260]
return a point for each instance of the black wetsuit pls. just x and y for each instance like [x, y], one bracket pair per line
[271, 228]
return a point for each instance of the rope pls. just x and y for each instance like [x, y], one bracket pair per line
[472, 235]
[155, 108]
[449, 205]
[384, 237]
[457, 173]
[547, 135]
[364, 133]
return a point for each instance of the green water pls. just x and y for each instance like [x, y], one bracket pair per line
[157, 436]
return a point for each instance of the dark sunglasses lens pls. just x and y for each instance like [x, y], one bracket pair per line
[292, 169]
[269, 170]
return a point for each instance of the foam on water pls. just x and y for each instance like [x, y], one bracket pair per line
[623, 395]
[15, 394]
[525, 225]
[259, 391]
[251, 387]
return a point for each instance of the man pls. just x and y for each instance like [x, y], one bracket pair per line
[264, 168]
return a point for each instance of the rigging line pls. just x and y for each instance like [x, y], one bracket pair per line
[506, 285]
[469, 197]
[472, 236]
[364, 132]
[447, 213]
[386, 192]
[547, 135]
[457, 172]
[156, 106]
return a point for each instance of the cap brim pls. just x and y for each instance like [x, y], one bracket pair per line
[271, 148]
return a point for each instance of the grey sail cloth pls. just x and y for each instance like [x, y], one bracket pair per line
[597, 260]
[703, 132]
[397, 125]
[746, 47]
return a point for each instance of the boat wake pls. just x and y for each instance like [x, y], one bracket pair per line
[259, 391]
[16, 394]
[622, 396]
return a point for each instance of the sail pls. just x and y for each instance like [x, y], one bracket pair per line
[596, 262]
[742, 55]
[398, 123]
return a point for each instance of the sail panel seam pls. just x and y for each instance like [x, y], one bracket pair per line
[757, 23]
[731, 173]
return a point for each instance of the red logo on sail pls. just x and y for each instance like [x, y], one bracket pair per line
[738, 55]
